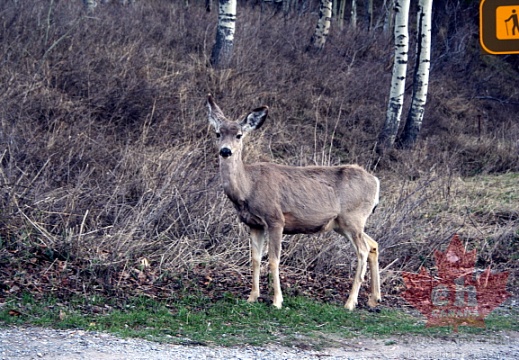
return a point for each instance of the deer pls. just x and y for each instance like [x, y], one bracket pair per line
[273, 200]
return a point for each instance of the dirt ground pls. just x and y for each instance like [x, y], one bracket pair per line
[40, 343]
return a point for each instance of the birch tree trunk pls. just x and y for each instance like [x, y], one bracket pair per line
[323, 25]
[222, 50]
[388, 134]
[353, 21]
[421, 74]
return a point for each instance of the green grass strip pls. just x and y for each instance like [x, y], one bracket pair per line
[230, 321]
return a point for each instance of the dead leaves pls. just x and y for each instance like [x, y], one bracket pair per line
[63, 279]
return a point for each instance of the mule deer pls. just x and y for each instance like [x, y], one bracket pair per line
[275, 199]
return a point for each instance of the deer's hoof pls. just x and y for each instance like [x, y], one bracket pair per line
[278, 303]
[373, 302]
[350, 305]
[252, 298]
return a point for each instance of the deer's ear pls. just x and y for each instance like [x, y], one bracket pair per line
[255, 119]
[215, 115]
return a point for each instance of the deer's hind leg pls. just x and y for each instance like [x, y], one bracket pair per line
[362, 250]
[375, 295]
[257, 245]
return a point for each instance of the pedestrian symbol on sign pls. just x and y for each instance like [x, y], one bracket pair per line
[507, 22]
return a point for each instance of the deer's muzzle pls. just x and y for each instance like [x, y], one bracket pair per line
[225, 152]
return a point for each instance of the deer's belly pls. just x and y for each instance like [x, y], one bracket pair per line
[297, 225]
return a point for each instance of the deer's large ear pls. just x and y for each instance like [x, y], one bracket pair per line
[255, 119]
[214, 112]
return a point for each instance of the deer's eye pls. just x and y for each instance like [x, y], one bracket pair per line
[218, 135]
[239, 136]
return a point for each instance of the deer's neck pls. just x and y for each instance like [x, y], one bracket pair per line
[236, 183]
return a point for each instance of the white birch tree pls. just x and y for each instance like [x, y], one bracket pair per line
[389, 131]
[323, 25]
[221, 53]
[353, 20]
[421, 74]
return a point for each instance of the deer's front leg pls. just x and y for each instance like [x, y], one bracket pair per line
[275, 236]
[257, 244]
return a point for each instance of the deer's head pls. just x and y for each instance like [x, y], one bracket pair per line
[230, 134]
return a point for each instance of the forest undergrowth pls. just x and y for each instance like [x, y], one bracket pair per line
[109, 177]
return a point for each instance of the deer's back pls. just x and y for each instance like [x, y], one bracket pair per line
[308, 199]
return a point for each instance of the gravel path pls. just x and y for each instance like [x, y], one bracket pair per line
[38, 343]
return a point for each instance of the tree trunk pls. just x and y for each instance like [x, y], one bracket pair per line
[222, 50]
[388, 134]
[323, 25]
[388, 16]
[353, 21]
[369, 14]
[342, 12]
[421, 74]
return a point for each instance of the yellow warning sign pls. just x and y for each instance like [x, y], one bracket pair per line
[507, 22]
[499, 26]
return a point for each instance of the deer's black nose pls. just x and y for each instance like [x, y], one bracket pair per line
[225, 152]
